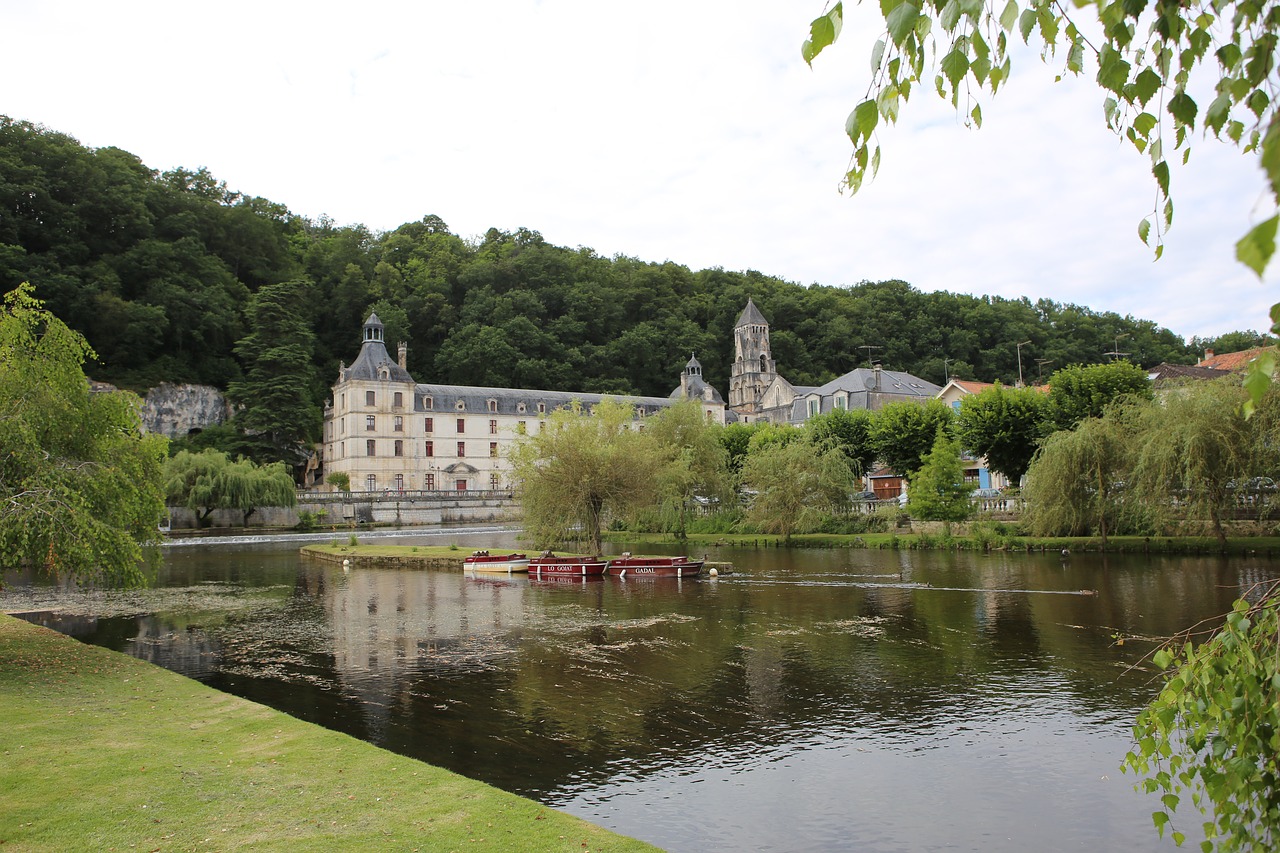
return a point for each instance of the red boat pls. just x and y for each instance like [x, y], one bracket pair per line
[483, 561]
[659, 567]
[549, 564]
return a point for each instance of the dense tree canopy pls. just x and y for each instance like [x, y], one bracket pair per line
[1004, 426]
[159, 271]
[80, 482]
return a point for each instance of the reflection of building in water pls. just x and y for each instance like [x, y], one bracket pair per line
[190, 651]
[388, 624]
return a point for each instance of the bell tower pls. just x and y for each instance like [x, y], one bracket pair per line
[753, 366]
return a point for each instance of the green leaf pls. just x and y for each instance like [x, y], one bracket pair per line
[862, 121]
[1144, 233]
[1183, 108]
[955, 65]
[1026, 23]
[1163, 657]
[1009, 16]
[877, 56]
[1146, 84]
[1159, 819]
[823, 32]
[901, 20]
[1255, 249]
[1161, 172]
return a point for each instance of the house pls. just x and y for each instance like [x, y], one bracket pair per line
[388, 432]
[1234, 362]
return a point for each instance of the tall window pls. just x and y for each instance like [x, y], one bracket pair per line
[493, 427]
[542, 408]
[371, 483]
[399, 482]
[462, 449]
[521, 427]
[493, 482]
[493, 405]
[493, 450]
[368, 398]
[399, 451]
[428, 403]
[397, 400]
[462, 425]
[369, 448]
[429, 482]
[399, 424]
[431, 448]
[813, 407]
[370, 423]
[431, 424]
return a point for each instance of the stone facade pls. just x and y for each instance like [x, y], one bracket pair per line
[389, 433]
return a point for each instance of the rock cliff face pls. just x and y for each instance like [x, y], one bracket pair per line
[176, 410]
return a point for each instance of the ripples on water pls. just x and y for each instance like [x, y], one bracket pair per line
[811, 701]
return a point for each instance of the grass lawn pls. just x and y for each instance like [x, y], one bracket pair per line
[101, 751]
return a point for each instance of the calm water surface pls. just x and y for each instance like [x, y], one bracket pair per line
[812, 700]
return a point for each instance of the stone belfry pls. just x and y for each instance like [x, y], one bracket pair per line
[753, 365]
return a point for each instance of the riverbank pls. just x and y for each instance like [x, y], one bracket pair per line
[706, 543]
[106, 752]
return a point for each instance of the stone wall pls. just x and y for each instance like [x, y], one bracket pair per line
[177, 410]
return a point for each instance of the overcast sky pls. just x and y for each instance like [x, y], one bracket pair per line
[682, 131]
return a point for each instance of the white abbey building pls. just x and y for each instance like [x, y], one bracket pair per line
[387, 432]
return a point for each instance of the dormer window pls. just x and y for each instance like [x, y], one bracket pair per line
[493, 405]
[520, 407]
[542, 408]
[427, 403]
[461, 405]
[384, 373]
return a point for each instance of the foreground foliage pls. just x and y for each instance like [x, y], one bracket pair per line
[80, 482]
[1213, 733]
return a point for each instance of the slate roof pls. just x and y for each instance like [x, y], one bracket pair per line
[373, 355]
[1165, 372]
[475, 400]
[855, 384]
[750, 316]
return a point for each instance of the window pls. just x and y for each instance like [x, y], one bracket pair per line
[460, 485]
[493, 450]
[764, 364]
[814, 407]
[493, 427]
[493, 482]
[839, 401]
[461, 405]
[429, 482]
[398, 400]
[342, 426]
[431, 448]
[399, 424]
[399, 448]
[542, 408]
[368, 398]
[522, 428]
[493, 405]
[462, 425]
[369, 448]
[371, 483]
[427, 403]
[462, 449]
[399, 482]
[370, 423]
[520, 407]
[431, 424]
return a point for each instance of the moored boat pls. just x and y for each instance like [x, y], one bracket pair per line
[659, 567]
[550, 564]
[483, 561]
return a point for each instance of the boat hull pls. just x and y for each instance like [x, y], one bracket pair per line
[567, 567]
[505, 564]
[656, 567]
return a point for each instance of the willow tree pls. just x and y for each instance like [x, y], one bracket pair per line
[580, 469]
[691, 461]
[1195, 449]
[79, 480]
[1165, 70]
[795, 483]
[1076, 484]
[209, 480]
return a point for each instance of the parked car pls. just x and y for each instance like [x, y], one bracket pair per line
[986, 493]
[864, 496]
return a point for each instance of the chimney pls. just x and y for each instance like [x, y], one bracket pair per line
[1208, 354]
[402, 355]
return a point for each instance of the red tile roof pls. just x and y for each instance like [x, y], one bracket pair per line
[1232, 360]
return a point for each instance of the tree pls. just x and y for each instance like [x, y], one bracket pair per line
[80, 481]
[903, 433]
[275, 394]
[582, 469]
[209, 480]
[1004, 425]
[691, 460]
[795, 482]
[1157, 66]
[1076, 482]
[848, 430]
[938, 492]
[1213, 732]
[1079, 391]
[1195, 448]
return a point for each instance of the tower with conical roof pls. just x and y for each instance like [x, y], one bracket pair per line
[753, 366]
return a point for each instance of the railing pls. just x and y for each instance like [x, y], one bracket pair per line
[383, 495]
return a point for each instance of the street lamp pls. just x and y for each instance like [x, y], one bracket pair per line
[1040, 363]
[1020, 346]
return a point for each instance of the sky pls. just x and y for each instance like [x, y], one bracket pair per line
[685, 131]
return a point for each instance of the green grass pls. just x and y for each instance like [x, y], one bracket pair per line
[699, 542]
[101, 751]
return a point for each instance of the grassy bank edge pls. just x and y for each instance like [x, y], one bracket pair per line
[700, 543]
[104, 751]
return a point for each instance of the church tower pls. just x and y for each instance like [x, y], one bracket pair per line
[753, 365]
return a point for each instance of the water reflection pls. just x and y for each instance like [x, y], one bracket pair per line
[870, 700]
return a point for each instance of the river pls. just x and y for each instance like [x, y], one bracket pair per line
[813, 700]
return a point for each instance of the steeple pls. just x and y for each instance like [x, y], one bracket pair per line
[373, 328]
[753, 366]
